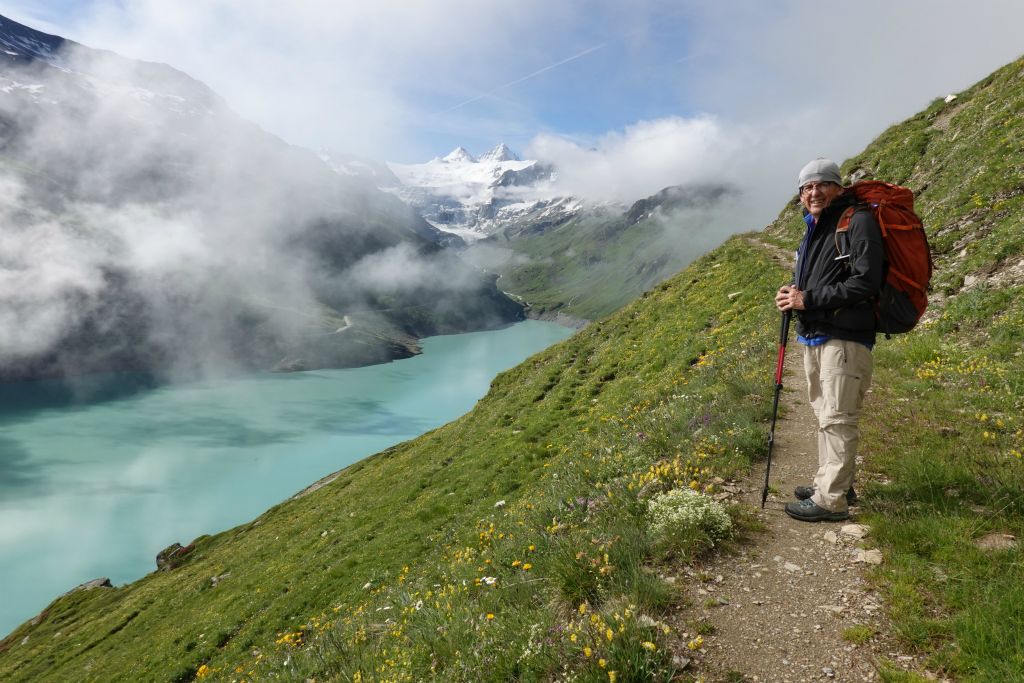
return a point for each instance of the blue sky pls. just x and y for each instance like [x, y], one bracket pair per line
[627, 97]
[476, 77]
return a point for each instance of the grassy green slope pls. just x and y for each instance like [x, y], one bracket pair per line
[408, 566]
[615, 393]
[593, 264]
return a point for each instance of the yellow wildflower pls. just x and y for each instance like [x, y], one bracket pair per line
[648, 645]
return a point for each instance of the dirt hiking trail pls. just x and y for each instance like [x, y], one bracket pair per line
[776, 608]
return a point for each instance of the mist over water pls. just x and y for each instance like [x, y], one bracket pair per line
[97, 486]
[148, 227]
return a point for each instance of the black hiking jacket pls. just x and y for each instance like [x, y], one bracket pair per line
[840, 289]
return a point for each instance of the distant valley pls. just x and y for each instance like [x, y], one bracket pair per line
[566, 258]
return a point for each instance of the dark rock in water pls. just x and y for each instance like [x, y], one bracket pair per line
[173, 556]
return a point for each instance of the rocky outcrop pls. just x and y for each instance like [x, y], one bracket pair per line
[173, 556]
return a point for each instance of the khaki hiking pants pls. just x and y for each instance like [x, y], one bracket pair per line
[838, 376]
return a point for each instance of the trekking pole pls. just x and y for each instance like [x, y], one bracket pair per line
[783, 336]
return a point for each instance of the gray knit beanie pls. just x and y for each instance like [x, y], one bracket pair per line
[820, 170]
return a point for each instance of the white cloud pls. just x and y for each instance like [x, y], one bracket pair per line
[358, 77]
[644, 158]
[402, 268]
[824, 79]
[44, 268]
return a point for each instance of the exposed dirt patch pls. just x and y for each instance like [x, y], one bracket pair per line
[942, 121]
[782, 257]
[997, 542]
[1009, 273]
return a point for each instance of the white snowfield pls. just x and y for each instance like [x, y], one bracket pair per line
[460, 175]
[9, 85]
[475, 197]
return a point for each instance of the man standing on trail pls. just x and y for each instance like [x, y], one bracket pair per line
[837, 280]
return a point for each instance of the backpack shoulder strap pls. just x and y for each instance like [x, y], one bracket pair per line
[844, 222]
[847, 216]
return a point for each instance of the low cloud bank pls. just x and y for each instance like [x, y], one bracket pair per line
[698, 154]
[642, 159]
[148, 227]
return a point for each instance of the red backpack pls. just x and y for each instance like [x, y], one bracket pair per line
[904, 295]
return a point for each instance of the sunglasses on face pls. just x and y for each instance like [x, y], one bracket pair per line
[811, 187]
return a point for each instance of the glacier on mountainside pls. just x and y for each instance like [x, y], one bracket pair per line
[476, 197]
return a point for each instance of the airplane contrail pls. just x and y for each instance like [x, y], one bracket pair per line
[526, 77]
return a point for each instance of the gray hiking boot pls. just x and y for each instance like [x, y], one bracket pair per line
[805, 492]
[807, 511]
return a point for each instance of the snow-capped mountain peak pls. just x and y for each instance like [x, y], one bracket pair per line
[473, 198]
[459, 154]
[499, 153]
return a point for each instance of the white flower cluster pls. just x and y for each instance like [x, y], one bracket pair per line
[683, 512]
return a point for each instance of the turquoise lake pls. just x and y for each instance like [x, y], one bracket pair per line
[96, 485]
